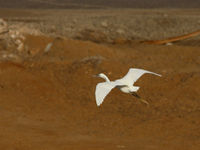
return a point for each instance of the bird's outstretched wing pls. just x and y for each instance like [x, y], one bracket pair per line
[102, 90]
[134, 74]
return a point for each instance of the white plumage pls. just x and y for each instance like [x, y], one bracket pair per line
[125, 84]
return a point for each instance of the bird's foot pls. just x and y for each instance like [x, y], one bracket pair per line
[142, 100]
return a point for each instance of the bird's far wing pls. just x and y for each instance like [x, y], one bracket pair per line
[134, 74]
[102, 90]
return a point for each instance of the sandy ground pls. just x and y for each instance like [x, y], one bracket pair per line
[105, 25]
[47, 99]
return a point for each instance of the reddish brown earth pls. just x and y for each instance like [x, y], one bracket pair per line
[47, 101]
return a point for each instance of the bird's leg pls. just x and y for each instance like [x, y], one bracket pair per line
[137, 96]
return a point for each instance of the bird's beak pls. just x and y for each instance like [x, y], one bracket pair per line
[95, 76]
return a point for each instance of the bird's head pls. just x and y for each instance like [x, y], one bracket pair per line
[101, 75]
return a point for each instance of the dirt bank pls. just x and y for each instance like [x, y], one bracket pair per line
[47, 101]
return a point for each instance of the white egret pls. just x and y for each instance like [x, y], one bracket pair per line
[125, 84]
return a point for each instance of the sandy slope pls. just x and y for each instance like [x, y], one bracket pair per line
[47, 102]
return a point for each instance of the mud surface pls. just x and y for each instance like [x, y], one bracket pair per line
[47, 97]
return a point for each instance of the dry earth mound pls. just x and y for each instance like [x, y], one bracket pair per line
[47, 98]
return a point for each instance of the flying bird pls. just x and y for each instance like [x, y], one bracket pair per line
[125, 84]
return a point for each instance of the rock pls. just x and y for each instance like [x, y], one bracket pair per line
[48, 47]
[34, 52]
[2, 22]
[165, 15]
[104, 24]
[74, 21]
[121, 40]
[120, 31]
[18, 39]
[93, 59]
[20, 47]
[168, 44]
[94, 36]
[5, 55]
[3, 26]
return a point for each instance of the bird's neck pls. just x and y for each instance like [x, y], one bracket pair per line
[106, 78]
